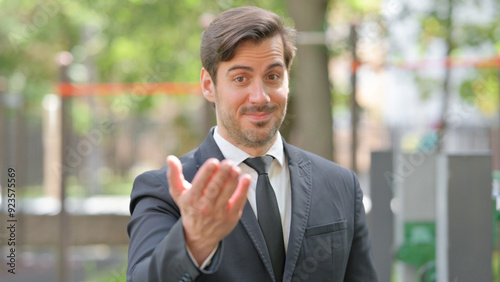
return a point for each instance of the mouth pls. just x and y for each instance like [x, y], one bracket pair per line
[259, 114]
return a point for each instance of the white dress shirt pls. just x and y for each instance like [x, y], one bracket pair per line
[279, 176]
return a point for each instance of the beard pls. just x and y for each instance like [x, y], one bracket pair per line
[261, 134]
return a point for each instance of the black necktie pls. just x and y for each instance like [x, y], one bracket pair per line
[269, 214]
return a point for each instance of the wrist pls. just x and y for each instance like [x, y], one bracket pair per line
[200, 247]
[200, 251]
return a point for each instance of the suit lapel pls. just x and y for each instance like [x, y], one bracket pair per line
[301, 186]
[251, 225]
[208, 149]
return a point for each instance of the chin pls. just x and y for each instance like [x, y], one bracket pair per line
[260, 136]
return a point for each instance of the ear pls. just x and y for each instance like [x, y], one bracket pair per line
[207, 86]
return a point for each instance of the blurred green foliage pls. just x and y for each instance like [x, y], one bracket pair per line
[111, 41]
[482, 90]
[443, 22]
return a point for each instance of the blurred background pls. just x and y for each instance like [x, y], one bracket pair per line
[93, 93]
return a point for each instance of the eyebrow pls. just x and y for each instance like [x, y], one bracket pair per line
[240, 67]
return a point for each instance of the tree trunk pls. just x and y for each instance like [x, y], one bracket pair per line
[313, 127]
[448, 22]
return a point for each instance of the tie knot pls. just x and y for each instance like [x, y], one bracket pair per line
[260, 164]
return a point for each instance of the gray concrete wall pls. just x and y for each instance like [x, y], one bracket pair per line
[464, 221]
[381, 216]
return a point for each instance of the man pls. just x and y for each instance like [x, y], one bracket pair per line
[214, 215]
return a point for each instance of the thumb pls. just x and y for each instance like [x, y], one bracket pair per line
[175, 176]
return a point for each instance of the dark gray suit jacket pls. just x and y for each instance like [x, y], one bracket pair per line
[328, 237]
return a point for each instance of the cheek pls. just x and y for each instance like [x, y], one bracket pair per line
[232, 102]
[282, 96]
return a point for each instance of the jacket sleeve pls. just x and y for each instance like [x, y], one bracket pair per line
[360, 266]
[157, 249]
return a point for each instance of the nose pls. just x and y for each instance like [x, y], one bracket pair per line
[259, 93]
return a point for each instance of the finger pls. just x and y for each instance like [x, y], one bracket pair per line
[203, 176]
[216, 183]
[175, 176]
[229, 187]
[239, 197]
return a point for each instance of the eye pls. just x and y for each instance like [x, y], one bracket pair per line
[273, 77]
[240, 79]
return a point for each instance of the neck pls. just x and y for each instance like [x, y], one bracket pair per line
[258, 151]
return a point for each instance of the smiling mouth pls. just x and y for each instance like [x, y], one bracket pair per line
[259, 116]
[262, 110]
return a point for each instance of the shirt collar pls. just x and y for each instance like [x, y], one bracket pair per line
[237, 155]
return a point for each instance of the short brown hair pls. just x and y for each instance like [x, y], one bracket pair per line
[220, 40]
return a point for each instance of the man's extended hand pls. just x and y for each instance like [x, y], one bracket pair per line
[211, 205]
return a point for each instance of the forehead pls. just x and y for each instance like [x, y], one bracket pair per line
[269, 50]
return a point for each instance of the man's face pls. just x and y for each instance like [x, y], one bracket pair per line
[251, 93]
